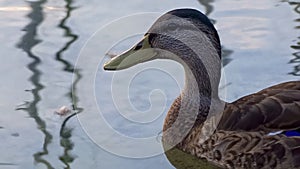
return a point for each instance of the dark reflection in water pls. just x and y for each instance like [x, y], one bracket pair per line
[296, 47]
[208, 10]
[65, 132]
[207, 4]
[7, 164]
[67, 33]
[28, 41]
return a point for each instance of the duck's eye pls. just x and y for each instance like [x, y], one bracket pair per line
[172, 26]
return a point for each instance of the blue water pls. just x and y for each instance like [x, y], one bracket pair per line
[41, 42]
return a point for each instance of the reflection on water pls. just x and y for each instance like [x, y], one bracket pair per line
[28, 41]
[65, 132]
[296, 47]
[226, 55]
[7, 164]
[208, 6]
[67, 33]
[208, 10]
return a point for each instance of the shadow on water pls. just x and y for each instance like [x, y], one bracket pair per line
[28, 41]
[65, 132]
[296, 60]
[208, 10]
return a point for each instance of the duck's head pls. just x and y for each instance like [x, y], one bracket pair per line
[183, 35]
[175, 35]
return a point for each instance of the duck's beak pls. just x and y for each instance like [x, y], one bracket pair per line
[139, 53]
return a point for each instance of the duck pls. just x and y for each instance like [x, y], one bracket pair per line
[261, 130]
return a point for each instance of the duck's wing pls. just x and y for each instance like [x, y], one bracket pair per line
[252, 150]
[276, 108]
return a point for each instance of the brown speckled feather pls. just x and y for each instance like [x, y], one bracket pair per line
[273, 109]
[241, 139]
[251, 150]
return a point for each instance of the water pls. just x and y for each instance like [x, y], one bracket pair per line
[40, 43]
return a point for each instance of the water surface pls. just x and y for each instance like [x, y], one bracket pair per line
[41, 41]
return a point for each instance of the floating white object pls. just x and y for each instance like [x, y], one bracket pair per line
[64, 110]
[111, 54]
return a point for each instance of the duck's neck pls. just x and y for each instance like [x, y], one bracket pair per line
[190, 109]
[201, 83]
[198, 82]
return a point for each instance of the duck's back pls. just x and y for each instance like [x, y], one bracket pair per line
[273, 109]
[260, 130]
